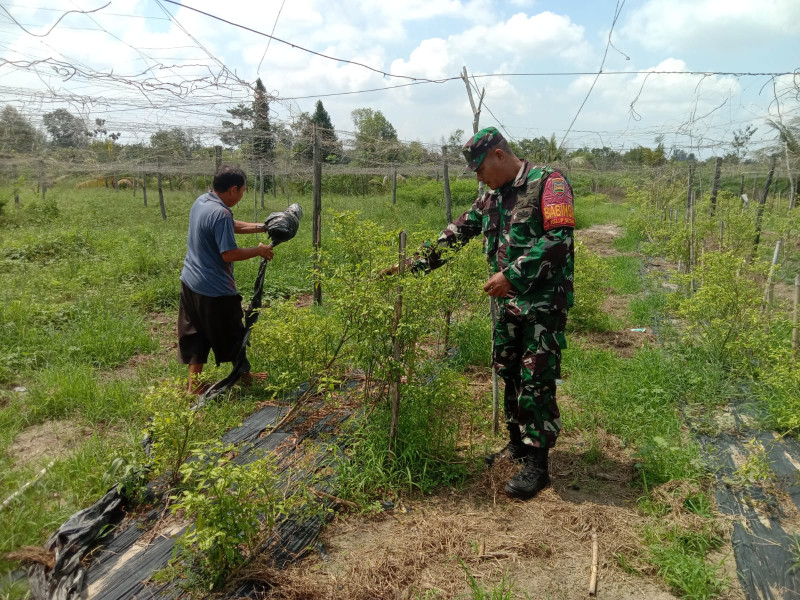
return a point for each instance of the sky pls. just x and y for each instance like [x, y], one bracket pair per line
[148, 64]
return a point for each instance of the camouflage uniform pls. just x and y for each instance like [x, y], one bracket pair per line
[527, 226]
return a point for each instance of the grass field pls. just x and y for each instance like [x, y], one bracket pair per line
[88, 307]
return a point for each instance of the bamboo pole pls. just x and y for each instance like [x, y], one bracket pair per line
[593, 576]
[397, 355]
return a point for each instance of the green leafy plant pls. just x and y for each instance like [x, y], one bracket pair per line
[173, 427]
[232, 506]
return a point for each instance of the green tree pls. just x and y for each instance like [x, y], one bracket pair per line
[235, 134]
[16, 132]
[741, 139]
[263, 142]
[174, 144]
[65, 129]
[304, 127]
[376, 137]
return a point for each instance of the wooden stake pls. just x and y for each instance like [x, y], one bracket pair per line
[795, 332]
[397, 350]
[394, 185]
[593, 576]
[448, 199]
[715, 184]
[316, 224]
[161, 199]
[770, 287]
[760, 209]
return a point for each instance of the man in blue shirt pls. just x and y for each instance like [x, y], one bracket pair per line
[210, 313]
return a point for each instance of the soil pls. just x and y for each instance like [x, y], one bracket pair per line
[600, 238]
[47, 441]
[541, 547]
[624, 343]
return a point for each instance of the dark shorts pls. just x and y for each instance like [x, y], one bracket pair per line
[206, 323]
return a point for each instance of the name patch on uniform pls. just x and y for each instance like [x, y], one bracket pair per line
[557, 206]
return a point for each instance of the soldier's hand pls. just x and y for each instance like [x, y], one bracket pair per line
[497, 286]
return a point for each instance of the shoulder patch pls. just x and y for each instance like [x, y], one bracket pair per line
[557, 205]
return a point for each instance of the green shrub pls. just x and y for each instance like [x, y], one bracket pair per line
[232, 506]
[591, 290]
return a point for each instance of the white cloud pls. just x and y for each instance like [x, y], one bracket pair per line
[680, 24]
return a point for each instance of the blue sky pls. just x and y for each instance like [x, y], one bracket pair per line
[429, 39]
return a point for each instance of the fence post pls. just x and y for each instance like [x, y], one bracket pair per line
[261, 179]
[317, 217]
[715, 184]
[689, 189]
[795, 332]
[397, 354]
[770, 287]
[447, 197]
[690, 265]
[161, 198]
[760, 209]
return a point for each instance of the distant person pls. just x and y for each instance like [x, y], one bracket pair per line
[210, 314]
[526, 217]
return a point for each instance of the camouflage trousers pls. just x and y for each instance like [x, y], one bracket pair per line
[527, 355]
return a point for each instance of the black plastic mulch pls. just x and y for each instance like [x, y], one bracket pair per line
[120, 564]
[763, 538]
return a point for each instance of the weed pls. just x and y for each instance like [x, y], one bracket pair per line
[502, 590]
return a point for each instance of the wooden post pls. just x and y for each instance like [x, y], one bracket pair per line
[144, 188]
[690, 266]
[394, 185]
[715, 184]
[261, 179]
[317, 216]
[689, 189]
[760, 210]
[770, 287]
[217, 157]
[448, 199]
[161, 198]
[795, 332]
[397, 350]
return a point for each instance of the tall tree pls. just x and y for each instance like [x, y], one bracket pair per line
[235, 134]
[65, 129]
[263, 142]
[376, 137]
[16, 132]
[304, 128]
[173, 144]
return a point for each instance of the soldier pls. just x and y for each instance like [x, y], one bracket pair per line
[527, 220]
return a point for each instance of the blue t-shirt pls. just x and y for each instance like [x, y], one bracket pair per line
[210, 234]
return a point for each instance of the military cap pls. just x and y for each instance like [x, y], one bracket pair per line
[476, 148]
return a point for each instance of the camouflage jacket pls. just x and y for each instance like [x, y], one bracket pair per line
[527, 226]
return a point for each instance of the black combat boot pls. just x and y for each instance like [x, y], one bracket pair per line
[533, 477]
[514, 450]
